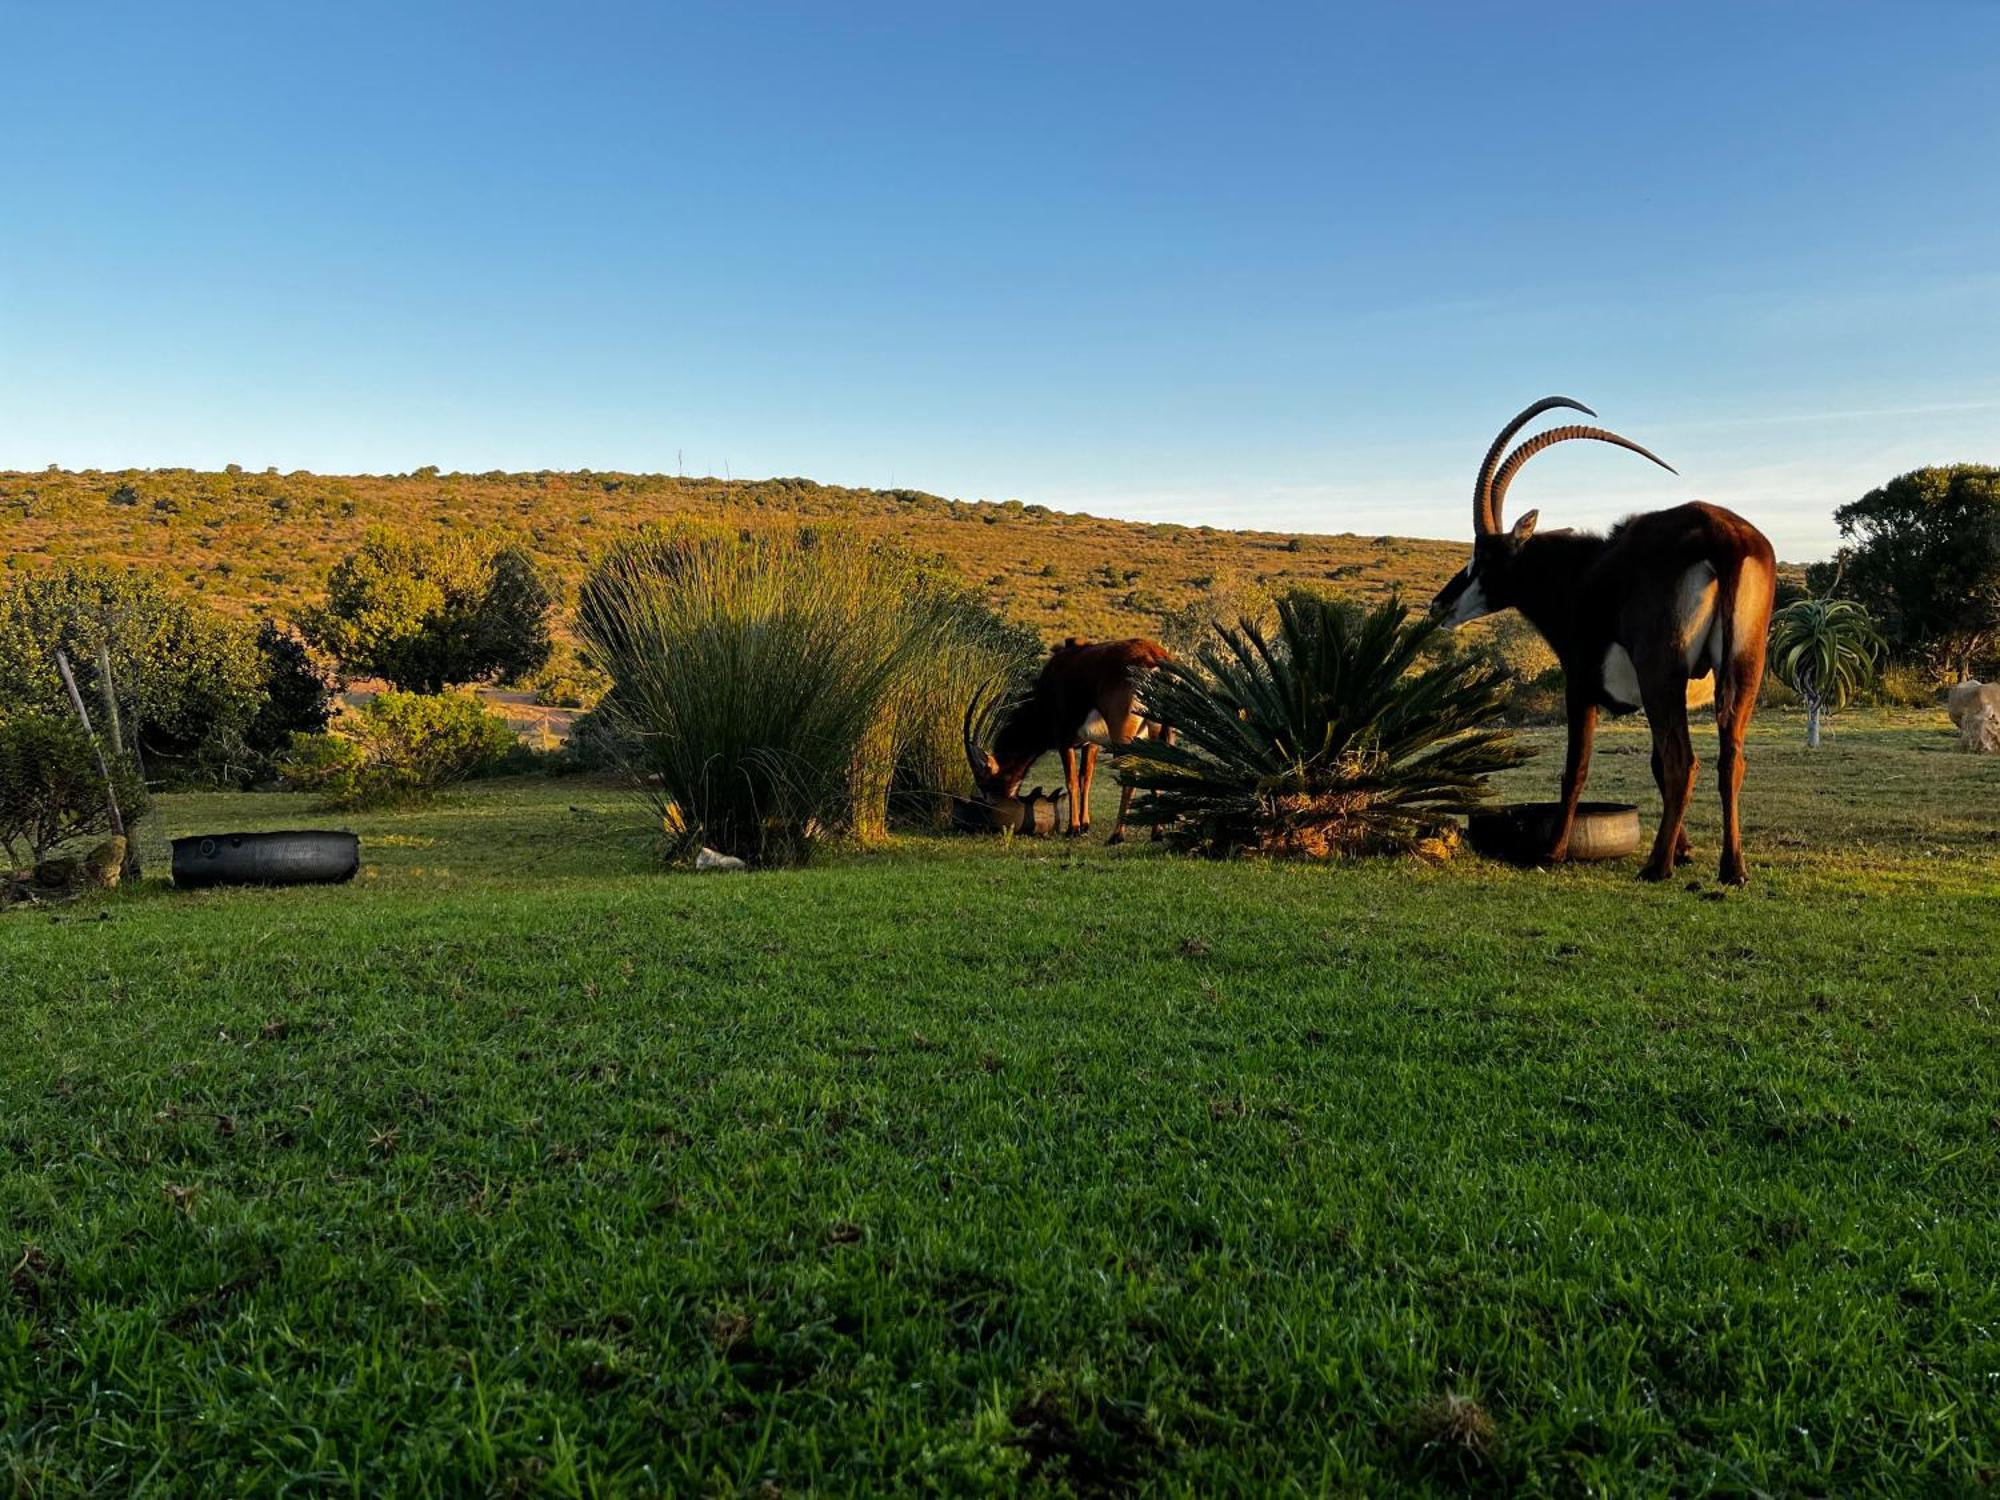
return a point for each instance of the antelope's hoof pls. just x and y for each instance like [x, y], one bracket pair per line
[1683, 856]
[1117, 837]
[1655, 871]
[1733, 874]
[1557, 853]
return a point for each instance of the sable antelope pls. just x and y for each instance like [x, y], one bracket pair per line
[1086, 700]
[1667, 597]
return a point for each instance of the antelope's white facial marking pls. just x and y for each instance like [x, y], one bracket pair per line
[1471, 604]
[1621, 679]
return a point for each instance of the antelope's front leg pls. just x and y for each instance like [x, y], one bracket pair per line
[1084, 776]
[1576, 771]
[1068, 756]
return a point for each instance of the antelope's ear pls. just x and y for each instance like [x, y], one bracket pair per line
[1524, 528]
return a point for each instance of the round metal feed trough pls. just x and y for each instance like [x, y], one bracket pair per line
[1520, 834]
[300, 857]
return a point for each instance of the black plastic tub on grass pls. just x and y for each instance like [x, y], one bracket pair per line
[299, 857]
[1520, 834]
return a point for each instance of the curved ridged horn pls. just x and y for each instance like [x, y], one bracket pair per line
[1486, 518]
[975, 757]
[1498, 495]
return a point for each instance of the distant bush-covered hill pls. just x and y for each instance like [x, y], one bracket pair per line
[264, 543]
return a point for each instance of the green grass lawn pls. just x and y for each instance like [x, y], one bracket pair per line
[520, 1166]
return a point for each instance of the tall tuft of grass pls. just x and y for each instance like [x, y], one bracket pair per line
[1329, 738]
[760, 678]
[974, 649]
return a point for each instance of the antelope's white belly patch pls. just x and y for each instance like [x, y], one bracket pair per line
[1621, 679]
[1096, 732]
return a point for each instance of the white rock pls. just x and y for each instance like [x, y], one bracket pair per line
[708, 859]
[1975, 708]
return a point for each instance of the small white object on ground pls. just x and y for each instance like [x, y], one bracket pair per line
[708, 859]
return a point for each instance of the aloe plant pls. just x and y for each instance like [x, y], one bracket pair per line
[1826, 651]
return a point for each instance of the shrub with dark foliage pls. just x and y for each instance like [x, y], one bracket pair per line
[1330, 738]
[298, 696]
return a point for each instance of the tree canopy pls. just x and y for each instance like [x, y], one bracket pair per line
[430, 614]
[1925, 560]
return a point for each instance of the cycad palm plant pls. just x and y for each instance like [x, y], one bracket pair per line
[1826, 651]
[1330, 738]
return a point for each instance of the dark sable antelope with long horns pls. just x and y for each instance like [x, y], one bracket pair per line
[1085, 700]
[1666, 598]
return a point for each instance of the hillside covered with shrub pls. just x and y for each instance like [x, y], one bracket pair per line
[265, 543]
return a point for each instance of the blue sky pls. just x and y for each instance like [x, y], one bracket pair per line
[1256, 266]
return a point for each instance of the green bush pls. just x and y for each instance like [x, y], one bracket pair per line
[1907, 684]
[755, 677]
[398, 748]
[427, 615]
[51, 793]
[189, 682]
[1332, 738]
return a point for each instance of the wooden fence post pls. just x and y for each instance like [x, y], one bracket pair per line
[104, 770]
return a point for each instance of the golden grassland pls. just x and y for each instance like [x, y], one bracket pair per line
[262, 544]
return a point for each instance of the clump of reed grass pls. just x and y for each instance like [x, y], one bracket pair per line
[772, 687]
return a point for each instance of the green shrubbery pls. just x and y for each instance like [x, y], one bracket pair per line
[51, 792]
[1330, 738]
[774, 685]
[398, 747]
[189, 682]
[566, 680]
[200, 697]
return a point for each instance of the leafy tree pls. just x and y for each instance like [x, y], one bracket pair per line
[189, 681]
[1925, 561]
[427, 615]
[51, 792]
[1331, 738]
[1826, 651]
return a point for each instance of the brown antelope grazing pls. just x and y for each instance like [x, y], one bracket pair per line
[1667, 597]
[1086, 700]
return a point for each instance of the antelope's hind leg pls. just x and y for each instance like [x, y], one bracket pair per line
[1673, 754]
[1735, 701]
[1683, 850]
[1084, 778]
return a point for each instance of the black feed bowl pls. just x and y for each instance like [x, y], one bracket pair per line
[1520, 834]
[301, 857]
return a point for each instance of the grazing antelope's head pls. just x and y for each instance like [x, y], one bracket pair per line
[1486, 584]
[995, 777]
